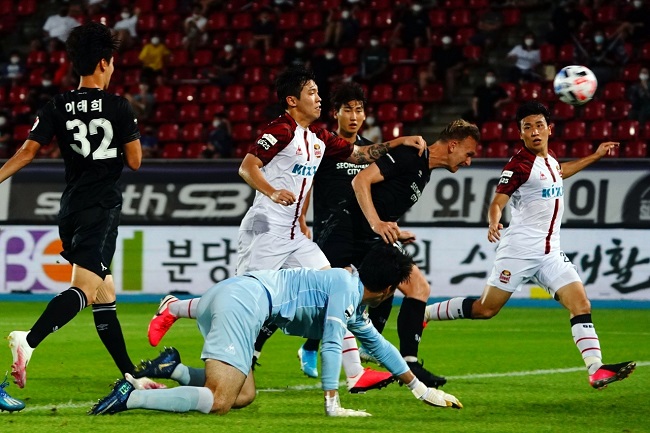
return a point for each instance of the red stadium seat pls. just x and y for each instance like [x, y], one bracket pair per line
[463, 34]
[511, 90]
[601, 130]
[168, 132]
[619, 110]
[402, 73]
[507, 112]
[511, 132]
[398, 55]
[37, 58]
[438, 18]
[473, 53]
[562, 111]
[170, 22]
[453, 4]
[627, 130]
[511, 17]
[242, 132]
[202, 58]
[559, 148]
[497, 149]
[190, 112]
[574, 130]
[209, 93]
[274, 56]
[384, 19]
[348, 56]
[25, 7]
[606, 14]
[491, 131]
[434, 92]
[614, 91]
[392, 130]
[258, 113]
[173, 40]
[288, 20]
[382, 93]
[566, 54]
[478, 4]
[21, 132]
[547, 53]
[195, 150]
[147, 23]
[178, 58]
[251, 57]
[580, 149]
[172, 151]
[6, 7]
[165, 6]
[594, 110]
[18, 94]
[217, 21]
[406, 92]
[234, 93]
[387, 112]
[635, 149]
[312, 20]
[631, 72]
[192, 132]
[460, 18]
[364, 17]
[259, 93]
[413, 112]
[239, 112]
[241, 21]
[186, 93]
[421, 55]
[529, 91]
[212, 109]
[163, 112]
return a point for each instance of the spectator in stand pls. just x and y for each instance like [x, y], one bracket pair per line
[489, 28]
[40, 95]
[263, 30]
[374, 62]
[601, 56]
[413, 28]
[195, 29]
[527, 60]
[487, 99]
[13, 71]
[298, 55]
[153, 57]
[328, 71]
[142, 102]
[59, 26]
[219, 138]
[635, 27]
[341, 27]
[125, 28]
[225, 68]
[566, 21]
[639, 96]
[447, 63]
[372, 131]
[149, 142]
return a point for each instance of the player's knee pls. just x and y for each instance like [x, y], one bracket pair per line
[221, 406]
[245, 397]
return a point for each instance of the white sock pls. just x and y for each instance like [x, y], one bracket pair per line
[185, 308]
[179, 399]
[586, 339]
[450, 309]
[351, 359]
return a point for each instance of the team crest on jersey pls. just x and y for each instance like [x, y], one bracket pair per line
[559, 170]
[299, 151]
[505, 276]
[317, 152]
[266, 141]
[349, 312]
[35, 123]
[542, 176]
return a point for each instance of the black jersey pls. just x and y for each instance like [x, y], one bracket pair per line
[333, 191]
[91, 128]
[405, 176]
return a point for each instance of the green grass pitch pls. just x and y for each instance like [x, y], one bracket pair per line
[519, 372]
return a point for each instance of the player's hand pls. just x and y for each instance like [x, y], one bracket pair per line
[333, 408]
[416, 141]
[607, 148]
[389, 231]
[435, 397]
[494, 232]
[283, 197]
[304, 228]
[143, 382]
[406, 237]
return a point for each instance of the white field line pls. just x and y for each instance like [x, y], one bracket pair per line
[317, 385]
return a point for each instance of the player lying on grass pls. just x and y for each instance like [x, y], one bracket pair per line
[304, 302]
[532, 182]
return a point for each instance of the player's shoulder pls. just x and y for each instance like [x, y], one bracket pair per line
[280, 128]
[522, 160]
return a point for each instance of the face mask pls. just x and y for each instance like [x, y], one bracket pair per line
[370, 121]
[529, 42]
[374, 42]
[329, 56]
[155, 41]
[227, 48]
[3, 121]
[599, 39]
[490, 80]
[345, 15]
[299, 45]
[643, 77]
[46, 83]
[637, 4]
[15, 60]
[416, 8]
[216, 123]
[446, 40]
[125, 15]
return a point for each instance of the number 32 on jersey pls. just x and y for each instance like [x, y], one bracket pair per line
[103, 151]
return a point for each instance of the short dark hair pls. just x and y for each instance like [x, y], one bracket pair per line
[347, 92]
[385, 266]
[530, 108]
[458, 130]
[88, 44]
[291, 82]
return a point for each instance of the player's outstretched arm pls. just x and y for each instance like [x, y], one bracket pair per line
[429, 396]
[333, 406]
[20, 159]
[368, 154]
[494, 216]
[570, 168]
[133, 154]
[250, 171]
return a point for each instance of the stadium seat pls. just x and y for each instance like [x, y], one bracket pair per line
[212, 109]
[189, 112]
[413, 112]
[497, 149]
[242, 133]
[239, 112]
[559, 148]
[574, 130]
[473, 53]
[259, 93]
[253, 75]
[619, 110]
[241, 21]
[528, 91]
[392, 130]
[18, 94]
[379, 4]
[289, 20]
[614, 91]
[182, 73]
[234, 93]
[463, 34]
[348, 56]
[594, 110]
[387, 112]
[172, 151]
[186, 93]
[421, 55]
[178, 58]
[547, 53]
[147, 23]
[635, 149]
[511, 132]
[163, 112]
[384, 19]
[170, 22]
[401, 73]
[6, 7]
[631, 72]
[312, 20]
[511, 17]
[438, 18]
[21, 132]
[627, 130]
[168, 132]
[8, 25]
[37, 58]
[209, 93]
[202, 58]
[580, 149]
[132, 76]
[21, 110]
[381, 93]
[562, 111]
[364, 17]
[460, 18]
[195, 150]
[406, 92]
[601, 130]
[25, 8]
[398, 55]
[258, 113]
[566, 54]
[606, 14]
[511, 90]
[192, 132]
[478, 4]
[217, 21]
[507, 112]
[491, 131]
[250, 57]
[453, 4]
[165, 6]
[35, 76]
[434, 92]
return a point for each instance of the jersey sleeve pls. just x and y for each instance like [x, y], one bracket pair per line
[275, 137]
[397, 161]
[128, 122]
[335, 146]
[43, 129]
[512, 177]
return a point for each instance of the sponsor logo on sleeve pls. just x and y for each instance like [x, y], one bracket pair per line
[505, 276]
[266, 141]
[505, 176]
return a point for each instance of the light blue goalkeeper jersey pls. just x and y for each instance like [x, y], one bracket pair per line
[322, 305]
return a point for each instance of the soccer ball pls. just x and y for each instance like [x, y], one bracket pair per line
[575, 84]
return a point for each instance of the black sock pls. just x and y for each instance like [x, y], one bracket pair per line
[311, 344]
[410, 324]
[467, 307]
[61, 309]
[265, 333]
[379, 315]
[110, 332]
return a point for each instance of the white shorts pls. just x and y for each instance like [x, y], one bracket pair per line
[552, 272]
[266, 251]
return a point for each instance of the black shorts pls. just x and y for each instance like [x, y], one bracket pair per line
[89, 237]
